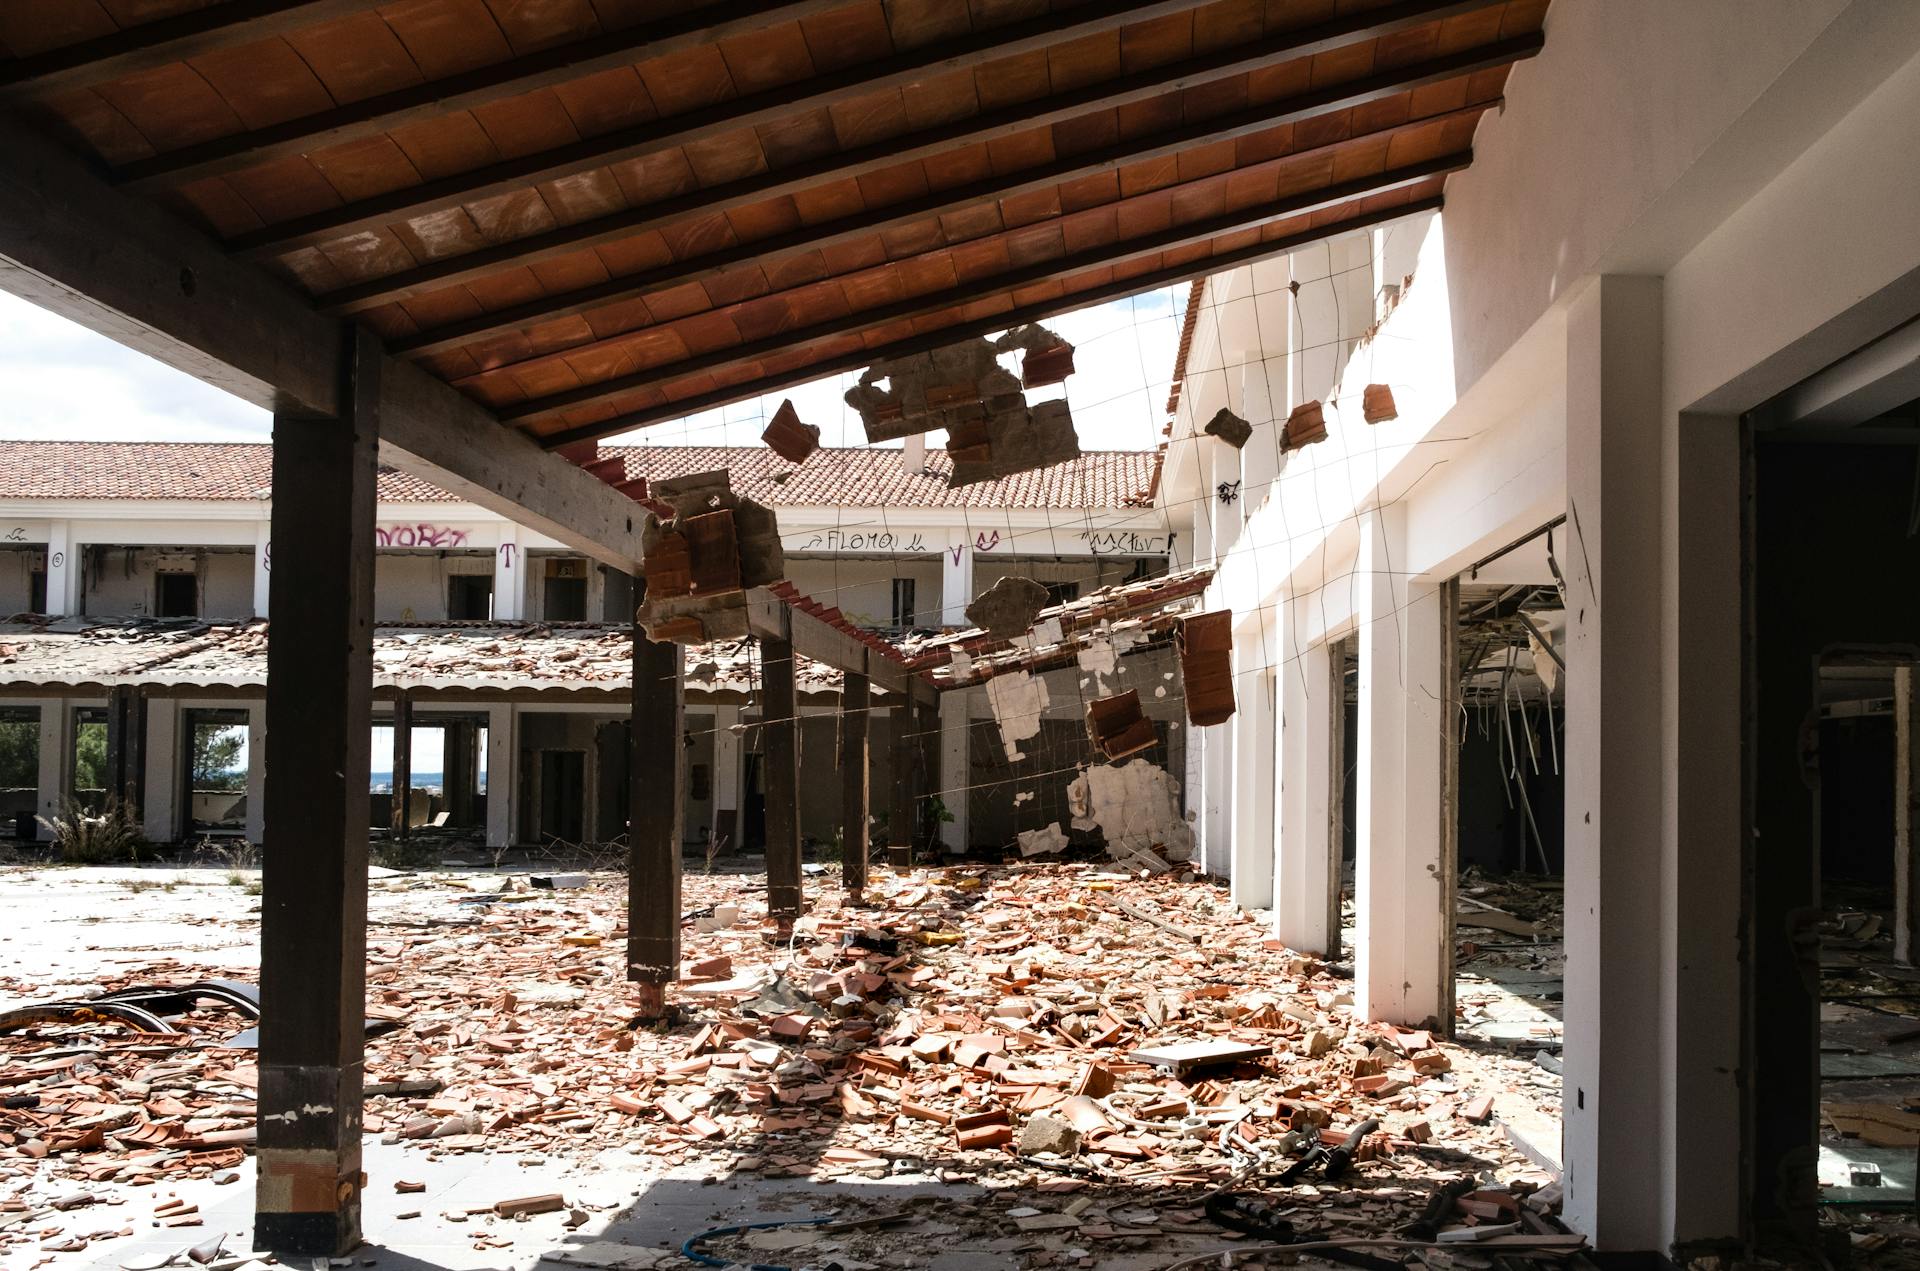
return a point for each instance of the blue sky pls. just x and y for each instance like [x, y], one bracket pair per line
[66, 383]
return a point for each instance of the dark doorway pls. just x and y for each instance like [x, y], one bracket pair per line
[176, 595]
[753, 807]
[37, 591]
[563, 590]
[470, 597]
[563, 795]
[19, 771]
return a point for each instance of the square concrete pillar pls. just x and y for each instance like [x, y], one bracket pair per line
[501, 774]
[262, 568]
[63, 570]
[955, 768]
[1399, 891]
[1308, 850]
[510, 577]
[1253, 747]
[956, 580]
[160, 812]
[56, 756]
[1619, 1040]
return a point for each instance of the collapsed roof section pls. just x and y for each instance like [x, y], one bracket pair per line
[524, 660]
[993, 431]
[700, 563]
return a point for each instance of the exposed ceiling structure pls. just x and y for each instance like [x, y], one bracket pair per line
[590, 215]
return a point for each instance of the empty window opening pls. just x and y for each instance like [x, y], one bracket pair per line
[903, 606]
[176, 595]
[19, 771]
[470, 597]
[216, 770]
[563, 590]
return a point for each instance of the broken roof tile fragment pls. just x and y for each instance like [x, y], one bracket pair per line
[1206, 666]
[787, 437]
[1305, 425]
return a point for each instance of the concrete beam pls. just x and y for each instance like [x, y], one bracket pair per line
[130, 271]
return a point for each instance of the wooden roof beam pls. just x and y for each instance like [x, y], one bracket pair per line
[162, 43]
[832, 233]
[1017, 316]
[628, 143]
[542, 408]
[549, 67]
[134, 273]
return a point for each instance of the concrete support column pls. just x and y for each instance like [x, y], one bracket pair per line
[262, 568]
[726, 775]
[313, 910]
[510, 577]
[1216, 788]
[501, 775]
[856, 790]
[1253, 746]
[1701, 917]
[1618, 1002]
[1399, 888]
[1309, 844]
[256, 828]
[955, 769]
[63, 570]
[56, 760]
[780, 750]
[1906, 800]
[161, 819]
[656, 802]
[956, 579]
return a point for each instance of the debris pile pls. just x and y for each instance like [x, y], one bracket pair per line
[1108, 1054]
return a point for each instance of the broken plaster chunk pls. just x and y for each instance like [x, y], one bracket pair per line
[1043, 841]
[787, 437]
[1136, 807]
[1008, 608]
[1044, 1134]
[1229, 428]
[1017, 700]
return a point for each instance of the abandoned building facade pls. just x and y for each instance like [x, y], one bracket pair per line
[1537, 490]
[508, 653]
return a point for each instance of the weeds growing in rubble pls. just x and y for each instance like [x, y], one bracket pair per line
[86, 838]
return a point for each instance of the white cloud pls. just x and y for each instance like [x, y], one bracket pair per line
[65, 382]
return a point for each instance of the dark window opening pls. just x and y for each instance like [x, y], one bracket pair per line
[176, 595]
[470, 597]
[19, 771]
[1062, 593]
[37, 591]
[903, 610]
[563, 596]
[563, 795]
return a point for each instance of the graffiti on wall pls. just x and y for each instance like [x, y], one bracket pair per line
[1126, 543]
[862, 541]
[421, 534]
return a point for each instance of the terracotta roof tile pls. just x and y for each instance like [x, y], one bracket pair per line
[852, 477]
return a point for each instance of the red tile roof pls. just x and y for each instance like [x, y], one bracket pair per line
[854, 477]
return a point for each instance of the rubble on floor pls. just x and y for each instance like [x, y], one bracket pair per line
[1054, 1033]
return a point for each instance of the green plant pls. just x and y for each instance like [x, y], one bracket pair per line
[84, 838]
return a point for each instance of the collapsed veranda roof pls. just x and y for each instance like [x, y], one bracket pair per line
[520, 660]
[590, 217]
[836, 477]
